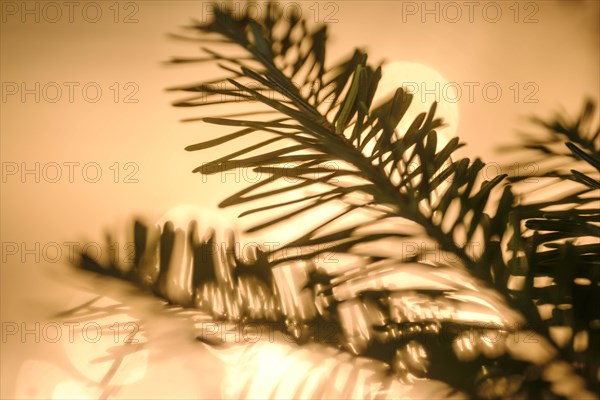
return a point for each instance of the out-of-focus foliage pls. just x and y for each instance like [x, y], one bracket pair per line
[559, 237]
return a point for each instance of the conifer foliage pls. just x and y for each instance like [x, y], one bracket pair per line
[308, 112]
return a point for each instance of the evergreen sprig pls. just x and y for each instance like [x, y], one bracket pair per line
[345, 146]
[375, 163]
[338, 120]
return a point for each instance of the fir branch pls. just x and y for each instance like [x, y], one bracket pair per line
[356, 124]
[446, 198]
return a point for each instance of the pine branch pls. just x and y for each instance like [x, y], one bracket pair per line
[395, 175]
[439, 195]
[385, 173]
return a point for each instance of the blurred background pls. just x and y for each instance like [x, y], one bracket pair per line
[88, 136]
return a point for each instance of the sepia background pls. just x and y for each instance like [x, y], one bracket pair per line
[88, 136]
